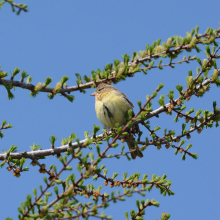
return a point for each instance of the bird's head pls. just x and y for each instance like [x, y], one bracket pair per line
[102, 87]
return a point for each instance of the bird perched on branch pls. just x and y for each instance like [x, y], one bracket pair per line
[111, 106]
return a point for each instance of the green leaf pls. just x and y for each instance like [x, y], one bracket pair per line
[171, 94]
[24, 74]
[162, 100]
[3, 74]
[126, 58]
[96, 129]
[48, 80]
[15, 71]
[70, 98]
[179, 88]
[52, 139]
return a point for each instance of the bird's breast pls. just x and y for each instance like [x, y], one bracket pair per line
[111, 110]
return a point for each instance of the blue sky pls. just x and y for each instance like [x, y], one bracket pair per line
[55, 39]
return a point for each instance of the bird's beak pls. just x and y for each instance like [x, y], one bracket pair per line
[93, 94]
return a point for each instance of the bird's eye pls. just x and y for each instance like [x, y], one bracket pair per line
[100, 89]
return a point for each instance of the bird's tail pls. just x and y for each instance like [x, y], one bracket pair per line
[136, 153]
[133, 130]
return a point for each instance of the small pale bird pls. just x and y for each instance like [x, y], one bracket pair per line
[111, 106]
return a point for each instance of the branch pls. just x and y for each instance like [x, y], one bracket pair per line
[165, 107]
[20, 6]
[25, 214]
[112, 76]
[48, 152]
[92, 210]
[65, 148]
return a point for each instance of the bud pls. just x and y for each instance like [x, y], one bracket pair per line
[43, 211]
[143, 185]
[38, 87]
[17, 170]
[143, 54]
[201, 119]
[111, 185]
[179, 102]
[193, 42]
[57, 87]
[158, 49]
[122, 64]
[131, 69]
[58, 155]
[189, 81]
[106, 183]
[87, 196]
[52, 173]
[167, 146]
[199, 130]
[204, 64]
[135, 185]
[188, 136]
[158, 147]
[33, 163]
[202, 90]
[134, 65]
[40, 170]
[43, 171]
[171, 105]
[189, 35]
[94, 208]
[187, 120]
[186, 92]
[50, 178]
[169, 109]
[9, 168]
[120, 71]
[215, 74]
[69, 191]
[177, 139]
[18, 175]
[169, 40]
[180, 150]
[122, 140]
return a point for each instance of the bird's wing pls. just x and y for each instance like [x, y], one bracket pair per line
[125, 97]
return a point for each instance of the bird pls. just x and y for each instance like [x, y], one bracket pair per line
[111, 106]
